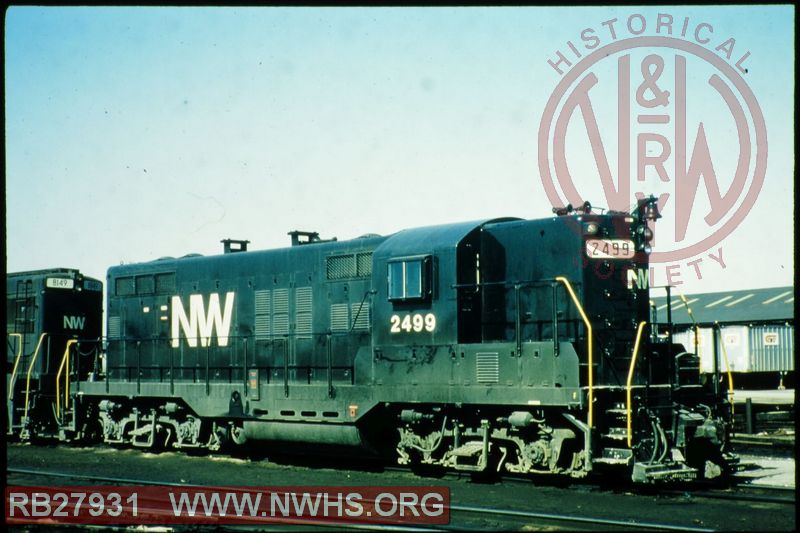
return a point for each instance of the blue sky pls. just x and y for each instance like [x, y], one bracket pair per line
[135, 133]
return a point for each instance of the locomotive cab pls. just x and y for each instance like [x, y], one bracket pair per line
[545, 332]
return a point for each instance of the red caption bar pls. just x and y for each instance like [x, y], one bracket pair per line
[226, 505]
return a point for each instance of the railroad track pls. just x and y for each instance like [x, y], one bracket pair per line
[746, 493]
[462, 517]
[572, 521]
[740, 489]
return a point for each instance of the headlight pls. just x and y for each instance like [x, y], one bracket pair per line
[591, 228]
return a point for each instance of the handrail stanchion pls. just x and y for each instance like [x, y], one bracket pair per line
[588, 324]
[630, 379]
[30, 369]
[517, 320]
[727, 369]
[16, 364]
[554, 287]
[64, 363]
[329, 356]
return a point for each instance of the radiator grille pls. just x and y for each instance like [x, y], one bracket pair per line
[114, 324]
[487, 367]
[302, 297]
[280, 312]
[262, 322]
[361, 318]
[145, 284]
[341, 266]
[303, 309]
[364, 261]
[124, 287]
[340, 318]
[165, 283]
[280, 324]
[349, 266]
[262, 327]
[262, 302]
[281, 302]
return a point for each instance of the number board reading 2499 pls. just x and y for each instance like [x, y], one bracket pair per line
[415, 322]
[610, 249]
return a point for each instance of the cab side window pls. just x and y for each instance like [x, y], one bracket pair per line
[409, 279]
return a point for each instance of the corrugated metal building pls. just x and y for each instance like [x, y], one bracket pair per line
[756, 327]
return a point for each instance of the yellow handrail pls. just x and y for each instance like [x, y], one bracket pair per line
[727, 369]
[16, 364]
[698, 341]
[577, 303]
[30, 369]
[630, 379]
[695, 331]
[64, 363]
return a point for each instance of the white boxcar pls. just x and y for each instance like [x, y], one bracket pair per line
[760, 348]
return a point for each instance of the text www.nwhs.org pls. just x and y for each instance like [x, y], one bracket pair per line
[387, 504]
[160, 504]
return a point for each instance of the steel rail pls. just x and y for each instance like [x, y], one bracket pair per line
[577, 519]
[743, 497]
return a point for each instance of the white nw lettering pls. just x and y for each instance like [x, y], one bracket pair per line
[638, 277]
[74, 322]
[198, 323]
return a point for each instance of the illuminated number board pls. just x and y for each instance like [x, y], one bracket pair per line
[59, 283]
[610, 249]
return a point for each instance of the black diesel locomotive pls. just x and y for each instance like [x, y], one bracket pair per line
[497, 345]
[48, 312]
